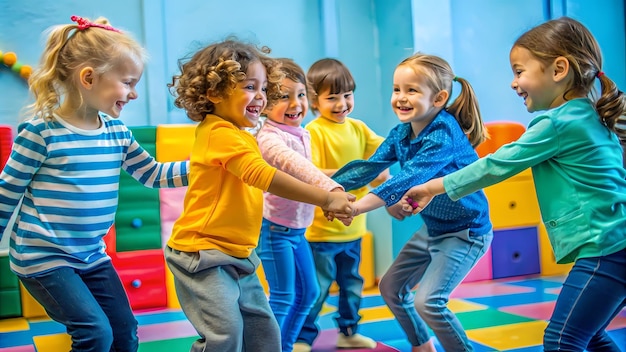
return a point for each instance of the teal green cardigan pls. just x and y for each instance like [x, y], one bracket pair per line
[579, 178]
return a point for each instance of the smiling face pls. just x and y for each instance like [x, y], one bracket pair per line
[110, 91]
[245, 104]
[536, 83]
[335, 107]
[292, 106]
[412, 99]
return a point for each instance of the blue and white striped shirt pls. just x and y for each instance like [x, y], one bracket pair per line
[69, 178]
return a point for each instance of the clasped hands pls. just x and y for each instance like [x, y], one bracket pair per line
[411, 203]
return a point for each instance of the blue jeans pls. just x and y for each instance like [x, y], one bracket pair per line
[438, 264]
[92, 305]
[592, 295]
[290, 273]
[336, 261]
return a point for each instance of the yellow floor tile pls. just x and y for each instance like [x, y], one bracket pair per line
[53, 343]
[510, 336]
[459, 305]
[375, 314]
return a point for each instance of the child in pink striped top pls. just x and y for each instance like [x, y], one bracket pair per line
[284, 251]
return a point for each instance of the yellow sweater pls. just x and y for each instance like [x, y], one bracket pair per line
[333, 145]
[223, 205]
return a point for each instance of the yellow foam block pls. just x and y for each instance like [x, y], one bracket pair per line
[549, 267]
[172, 298]
[261, 274]
[53, 343]
[174, 142]
[13, 324]
[30, 307]
[511, 336]
[513, 203]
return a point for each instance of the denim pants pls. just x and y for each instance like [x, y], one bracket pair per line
[593, 293]
[222, 297]
[336, 261]
[438, 264]
[92, 304]
[290, 273]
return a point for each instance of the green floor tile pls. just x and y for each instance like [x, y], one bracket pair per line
[181, 344]
[488, 317]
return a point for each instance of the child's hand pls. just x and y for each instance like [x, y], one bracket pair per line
[398, 212]
[339, 206]
[416, 199]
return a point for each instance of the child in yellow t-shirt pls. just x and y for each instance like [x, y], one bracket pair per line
[225, 87]
[337, 139]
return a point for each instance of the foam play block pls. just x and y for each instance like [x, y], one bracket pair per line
[483, 270]
[549, 267]
[137, 220]
[513, 203]
[174, 142]
[142, 273]
[515, 252]
[171, 207]
[30, 307]
[6, 142]
[500, 133]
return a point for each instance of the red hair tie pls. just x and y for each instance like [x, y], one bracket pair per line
[600, 74]
[84, 23]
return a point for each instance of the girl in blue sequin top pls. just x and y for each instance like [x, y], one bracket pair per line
[432, 140]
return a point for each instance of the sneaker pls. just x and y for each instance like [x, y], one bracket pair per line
[355, 341]
[301, 347]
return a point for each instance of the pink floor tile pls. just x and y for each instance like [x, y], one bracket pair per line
[29, 348]
[540, 311]
[487, 288]
[165, 331]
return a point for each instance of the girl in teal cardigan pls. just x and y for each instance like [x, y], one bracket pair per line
[577, 166]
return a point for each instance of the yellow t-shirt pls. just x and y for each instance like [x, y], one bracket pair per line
[333, 145]
[223, 206]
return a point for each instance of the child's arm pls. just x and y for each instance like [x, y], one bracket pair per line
[369, 202]
[145, 169]
[418, 197]
[380, 179]
[286, 186]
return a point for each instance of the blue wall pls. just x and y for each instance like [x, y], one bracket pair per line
[370, 36]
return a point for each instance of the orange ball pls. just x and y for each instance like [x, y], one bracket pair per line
[9, 58]
[25, 71]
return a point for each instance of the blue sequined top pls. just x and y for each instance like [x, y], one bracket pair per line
[441, 148]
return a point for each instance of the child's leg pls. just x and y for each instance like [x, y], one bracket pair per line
[307, 292]
[325, 270]
[260, 329]
[67, 297]
[592, 295]
[350, 285]
[276, 250]
[452, 257]
[397, 284]
[209, 292]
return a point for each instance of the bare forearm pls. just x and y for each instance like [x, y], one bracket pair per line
[283, 185]
[368, 203]
[435, 186]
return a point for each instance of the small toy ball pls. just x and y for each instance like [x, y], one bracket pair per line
[412, 203]
[136, 283]
[25, 71]
[136, 223]
[9, 58]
